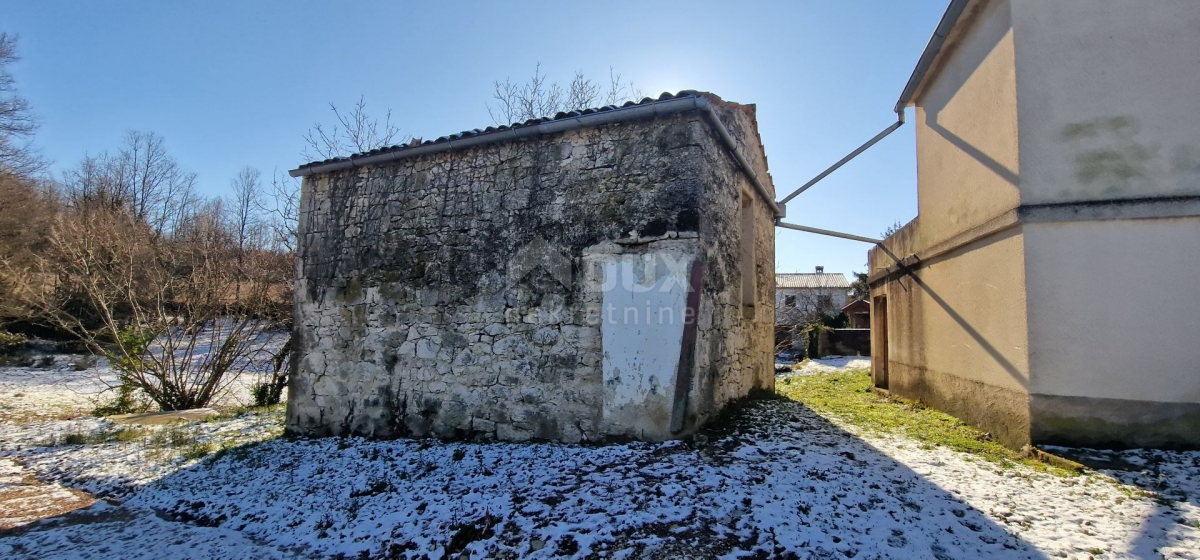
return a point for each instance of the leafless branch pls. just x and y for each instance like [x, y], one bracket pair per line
[538, 97]
[356, 131]
[17, 123]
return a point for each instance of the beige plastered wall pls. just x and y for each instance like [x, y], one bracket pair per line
[958, 324]
[1108, 99]
[1108, 113]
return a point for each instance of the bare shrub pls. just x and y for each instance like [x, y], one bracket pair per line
[270, 392]
[25, 216]
[165, 310]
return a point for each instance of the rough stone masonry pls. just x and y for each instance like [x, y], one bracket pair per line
[603, 274]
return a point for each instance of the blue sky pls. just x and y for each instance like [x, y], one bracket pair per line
[230, 84]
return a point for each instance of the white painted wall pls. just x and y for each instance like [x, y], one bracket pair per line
[642, 329]
[1108, 110]
[806, 303]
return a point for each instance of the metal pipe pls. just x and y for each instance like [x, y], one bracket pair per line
[819, 231]
[731, 144]
[899, 122]
[953, 12]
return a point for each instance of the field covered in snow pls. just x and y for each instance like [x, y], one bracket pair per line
[775, 479]
[64, 386]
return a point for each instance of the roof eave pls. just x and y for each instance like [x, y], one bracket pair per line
[932, 49]
[684, 102]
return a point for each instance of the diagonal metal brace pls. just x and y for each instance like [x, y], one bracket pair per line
[849, 157]
[819, 231]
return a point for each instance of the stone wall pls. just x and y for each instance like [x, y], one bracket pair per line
[844, 342]
[464, 293]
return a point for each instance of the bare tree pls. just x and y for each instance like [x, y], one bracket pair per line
[888, 231]
[538, 97]
[356, 131]
[242, 216]
[160, 191]
[94, 183]
[17, 123]
[241, 207]
[279, 209]
[142, 178]
[263, 224]
[160, 307]
[25, 216]
[794, 316]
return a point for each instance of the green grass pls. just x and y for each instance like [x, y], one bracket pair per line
[847, 396]
[126, 434]
[198, 449]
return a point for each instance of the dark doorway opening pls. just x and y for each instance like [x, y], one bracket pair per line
[879, 342]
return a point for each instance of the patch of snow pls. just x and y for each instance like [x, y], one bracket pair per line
[786, 480]
[828, 364]
[116, 469]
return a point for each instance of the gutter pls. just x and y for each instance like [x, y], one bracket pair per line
[731, 144]
[635, 112]
[949, 20]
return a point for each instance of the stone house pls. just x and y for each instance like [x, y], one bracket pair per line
[804, 295]
[1036, 294]
[598, 274]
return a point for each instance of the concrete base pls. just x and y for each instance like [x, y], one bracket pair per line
[158, 418]
[1114, 423]
[1002, 412]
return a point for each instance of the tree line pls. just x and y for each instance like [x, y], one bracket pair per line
[122, 256]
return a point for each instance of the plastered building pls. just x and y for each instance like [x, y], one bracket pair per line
[1041, 291]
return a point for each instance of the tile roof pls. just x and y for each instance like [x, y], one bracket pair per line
[812, 280]
[501, 128]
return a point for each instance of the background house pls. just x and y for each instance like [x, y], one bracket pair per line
[1036, 294]
[801, 298]
[806, 295]
[858, 314]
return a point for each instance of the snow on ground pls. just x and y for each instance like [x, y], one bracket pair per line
[132, 455]
[781, 482]
[60, 386]
[829, 364]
